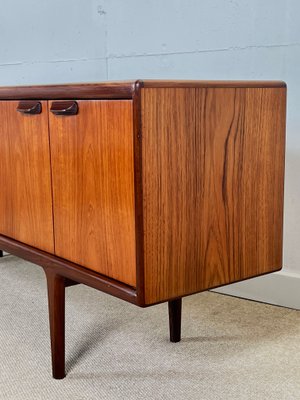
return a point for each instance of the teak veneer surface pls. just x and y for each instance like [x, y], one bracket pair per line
[25, 177]
[117, 90]
[213, 162]
[93, 187]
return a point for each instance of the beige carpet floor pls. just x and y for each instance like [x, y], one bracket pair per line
[231, 348]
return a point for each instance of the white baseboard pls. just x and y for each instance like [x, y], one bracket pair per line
[280, 288]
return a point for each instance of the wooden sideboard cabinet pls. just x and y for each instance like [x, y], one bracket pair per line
[146, 190]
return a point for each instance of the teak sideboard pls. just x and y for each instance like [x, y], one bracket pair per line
[146, 190]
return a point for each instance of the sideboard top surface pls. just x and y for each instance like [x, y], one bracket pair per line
[118, 89]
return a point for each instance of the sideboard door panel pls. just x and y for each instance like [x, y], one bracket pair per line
[93, 187]
[25, 176]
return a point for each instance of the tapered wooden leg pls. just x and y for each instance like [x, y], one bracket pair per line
[175, 307]
[1, 253]
[56, 301]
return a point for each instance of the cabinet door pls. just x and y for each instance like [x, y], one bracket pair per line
[93, 187]
[25, 177]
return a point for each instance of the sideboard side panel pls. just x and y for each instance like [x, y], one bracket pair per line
[213, 165]
[168, 162]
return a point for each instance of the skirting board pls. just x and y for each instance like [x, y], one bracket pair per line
[280, 288]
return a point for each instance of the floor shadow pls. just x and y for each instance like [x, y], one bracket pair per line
[88, 343]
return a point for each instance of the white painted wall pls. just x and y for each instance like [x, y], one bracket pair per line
[44, 41]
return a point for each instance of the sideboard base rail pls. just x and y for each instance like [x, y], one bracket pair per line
[68, 269]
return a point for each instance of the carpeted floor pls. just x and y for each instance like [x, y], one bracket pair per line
[231, 348]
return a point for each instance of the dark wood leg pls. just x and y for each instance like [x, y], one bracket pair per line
[1, 253]
[175, 307]
[56, 300]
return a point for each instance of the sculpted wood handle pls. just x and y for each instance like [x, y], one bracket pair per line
[64, 108]
[29, 107]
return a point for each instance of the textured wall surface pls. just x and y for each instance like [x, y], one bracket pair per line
[88, 40]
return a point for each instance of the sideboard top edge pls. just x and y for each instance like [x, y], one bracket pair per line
[118, 89]
[212, 84]
[101, 90]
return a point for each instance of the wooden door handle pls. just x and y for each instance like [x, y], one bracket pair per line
[29, 107]
[64, 108]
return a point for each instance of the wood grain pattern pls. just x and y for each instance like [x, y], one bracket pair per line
[25, 178]
[116, 90]
[102, 90]
[93, 188]
[213, 163]
[168, 116]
